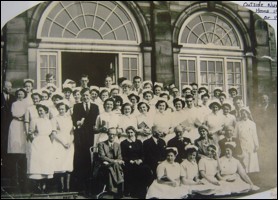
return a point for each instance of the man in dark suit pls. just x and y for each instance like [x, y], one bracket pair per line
[7, 100]
[111, 157]
[154, 150]
[180, 143]
[229, 131]
[84, 118]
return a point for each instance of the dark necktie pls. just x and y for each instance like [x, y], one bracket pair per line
[87, 108]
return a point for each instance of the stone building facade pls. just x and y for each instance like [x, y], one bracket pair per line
[210, 43]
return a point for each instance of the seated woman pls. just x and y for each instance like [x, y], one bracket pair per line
[136, 174]
[209, 170]
[168, 182]
[233, 173]
[203, 141]
[191, 173]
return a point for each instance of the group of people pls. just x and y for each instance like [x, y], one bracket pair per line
[152, 141]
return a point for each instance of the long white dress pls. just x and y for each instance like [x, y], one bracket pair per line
[163, 120]
[41, 150]
[107, 120]
[191, 171]
[230, 167]
[30, 115]
[191, 117]
[210, 167]
[17, 136]
[215, 123]
[144, 121]
[63, 156]
[163, 191]
[247, 134]
[124, 122]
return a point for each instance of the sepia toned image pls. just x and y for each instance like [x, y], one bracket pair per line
[138, 99]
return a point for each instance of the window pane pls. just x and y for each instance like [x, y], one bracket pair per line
[191, 65]
[183, 77]
[230, 67]
[133, 73]
[191, 77]
[183, 65]
[211, 78]
[43, 73]
[133, 63]
[126, 74]
[238, 79]
[204, 78]
[230, 79]
[237, 65]
[44, 62]
[239, 89]
[219, 78]
[211, 66]
[125, 63]
[219, 66]
[53, 71]
[52, 61]
[203, 66]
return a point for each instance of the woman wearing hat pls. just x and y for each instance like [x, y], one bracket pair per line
[134, 100]
[94, 94]
[57, 97]
[203, 141]
[126, 119]
[136, 173]
[45, 96]
[209, 171]
[158, 88]
[32, 112]
[204, 106]
[28, 86]
[233, 174]
[62, 132]
[118, 104]
[191, 118]
[161, 119]
[17, 138]
[246, 132]
[106, 120]
[76, 95]
[41, 159]
[233, 92]
[178, 114]
[67, 91]
[168, 182]
[216, 92]
[144, 121]
[228, 119]
[148, 97]
[214, 121]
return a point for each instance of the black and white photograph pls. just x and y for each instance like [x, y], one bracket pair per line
[138, 100]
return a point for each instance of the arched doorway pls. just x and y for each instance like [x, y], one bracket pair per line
[95, 37]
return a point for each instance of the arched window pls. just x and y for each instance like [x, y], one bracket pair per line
[71, 29]
[210, 29]
[98, 20]
[212, 53]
